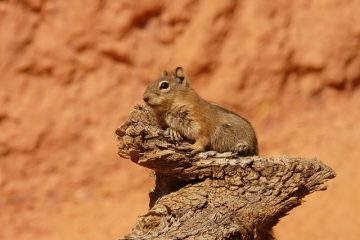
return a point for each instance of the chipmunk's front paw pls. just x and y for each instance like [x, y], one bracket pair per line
[174, 135]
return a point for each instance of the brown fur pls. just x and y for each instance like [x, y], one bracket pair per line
[179, 108]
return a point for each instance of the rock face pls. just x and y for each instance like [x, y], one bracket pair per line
[71, 71]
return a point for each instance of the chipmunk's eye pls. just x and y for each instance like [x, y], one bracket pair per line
[164, 85]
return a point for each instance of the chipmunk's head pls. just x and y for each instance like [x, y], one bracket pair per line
[161, 93]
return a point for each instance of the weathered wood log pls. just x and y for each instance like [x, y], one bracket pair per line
[213, 195]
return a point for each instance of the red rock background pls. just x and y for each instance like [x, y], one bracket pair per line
[70, 71]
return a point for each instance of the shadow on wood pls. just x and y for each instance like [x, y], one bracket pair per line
[213, 195]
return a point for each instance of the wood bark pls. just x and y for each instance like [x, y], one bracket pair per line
[213, 195]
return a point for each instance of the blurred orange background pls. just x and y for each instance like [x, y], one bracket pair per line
[71, 71]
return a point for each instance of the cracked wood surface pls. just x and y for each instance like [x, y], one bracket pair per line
[213, 195]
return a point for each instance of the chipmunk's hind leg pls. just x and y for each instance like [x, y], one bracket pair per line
[199, 146]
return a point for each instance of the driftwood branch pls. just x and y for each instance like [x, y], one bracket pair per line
[213, 195]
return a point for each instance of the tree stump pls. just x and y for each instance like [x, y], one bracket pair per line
[213, 195]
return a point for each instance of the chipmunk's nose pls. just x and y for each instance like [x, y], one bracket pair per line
[146, 98]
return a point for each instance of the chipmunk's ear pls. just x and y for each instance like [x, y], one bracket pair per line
[165, 74]
[180, 75]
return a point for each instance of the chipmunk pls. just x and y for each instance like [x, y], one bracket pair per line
[186, 115]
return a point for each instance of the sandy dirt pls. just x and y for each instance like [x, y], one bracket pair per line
[70, 72]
